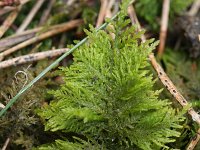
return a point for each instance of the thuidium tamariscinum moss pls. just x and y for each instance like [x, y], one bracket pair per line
[108, 100]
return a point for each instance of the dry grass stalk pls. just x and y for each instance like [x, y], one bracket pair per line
[30, 16]
[102, 12]
[17, 38]
[70, 25]
[46, 12]
[134, 20]
[6, 10]
[194, 9]
[2, 105]
[6, 144]
[132, 15]
[108, 13]
[32, 58]
[8, 22]
[8, 42]
[24, 1]
[164, 25]
[9, 3]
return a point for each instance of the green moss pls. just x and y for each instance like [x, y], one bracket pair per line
[108, 100]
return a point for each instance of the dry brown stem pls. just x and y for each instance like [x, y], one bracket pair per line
[6, 144]
[132, 15]
[24, 1]
[102, 12]
[108, 13]
[70, 25]
[164, 25]
[8, 22]
[32, 58]
[194, 9]
[9, 3]
[134, 20]
[7, 9]
[194, 141]
[30, 16]
[17, 38]
[2, 105]
[46, 12]
[8, 42]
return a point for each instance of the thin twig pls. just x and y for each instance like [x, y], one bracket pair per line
[194, 141]
[46, 12]
[194, 9]
[2, 105]
[8, 42]
[102, 12]
[164, 25]
[17, 38]
[108, 13]
[8, 8]
[6, 144]
[30, 31]
[32, 58]
[30, 16]
[9, 20]
[70, 25]
[105, 13]
[135, 20]
[9, 3]
[24, 1]
[132, 15]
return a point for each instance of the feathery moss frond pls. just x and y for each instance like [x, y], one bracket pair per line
[108, 94]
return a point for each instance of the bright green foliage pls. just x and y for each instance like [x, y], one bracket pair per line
[62, 145]
[151, 10]
[108, 99]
